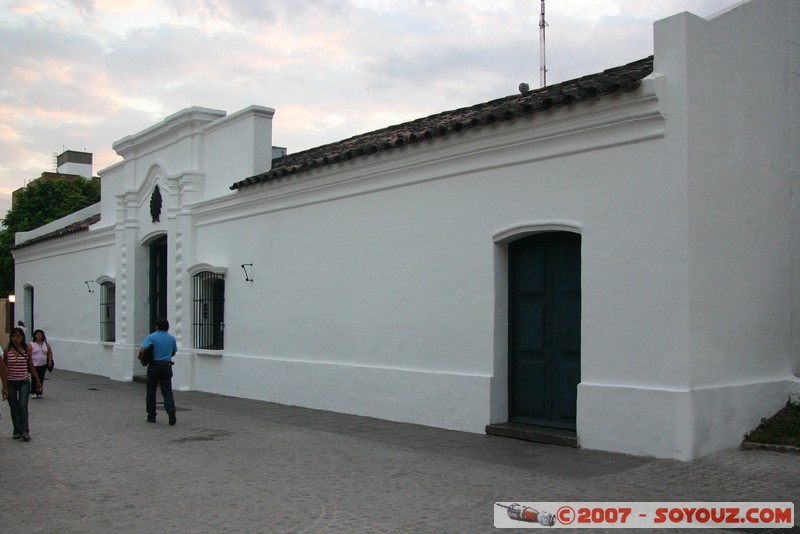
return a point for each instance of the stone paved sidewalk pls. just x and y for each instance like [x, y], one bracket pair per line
[237, 465]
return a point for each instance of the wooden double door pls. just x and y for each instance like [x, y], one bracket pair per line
[158, 280]
[545, 329]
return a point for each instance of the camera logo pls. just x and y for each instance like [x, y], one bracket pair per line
[527, 514]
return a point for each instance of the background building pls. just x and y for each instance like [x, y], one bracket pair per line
[70, 165]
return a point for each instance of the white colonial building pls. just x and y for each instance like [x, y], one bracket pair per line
[615, 256]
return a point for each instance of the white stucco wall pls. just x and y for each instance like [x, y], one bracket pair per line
[381, 275]
[63, 305]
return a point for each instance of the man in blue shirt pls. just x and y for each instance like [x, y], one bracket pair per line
[159, 371]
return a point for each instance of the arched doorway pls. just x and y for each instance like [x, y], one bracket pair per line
[544, 329]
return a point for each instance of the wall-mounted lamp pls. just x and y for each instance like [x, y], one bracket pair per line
[89, 284]
[246, 276]
[12, 298]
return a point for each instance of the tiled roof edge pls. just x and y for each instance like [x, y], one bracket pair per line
[74, 228]
[625, 78]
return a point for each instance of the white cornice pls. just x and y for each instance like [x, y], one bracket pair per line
[518, 231]
[102, 279]
[206, 267]
[184, 123]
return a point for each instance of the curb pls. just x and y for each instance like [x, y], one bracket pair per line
[751, 445]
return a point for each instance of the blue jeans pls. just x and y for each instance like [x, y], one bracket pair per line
[159, 376]
[19, 391]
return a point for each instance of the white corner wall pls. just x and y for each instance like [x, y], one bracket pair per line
[731, 148]
[236, 147]
[742, 243]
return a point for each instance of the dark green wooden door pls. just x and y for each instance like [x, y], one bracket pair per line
[545, 329]
[158, 280]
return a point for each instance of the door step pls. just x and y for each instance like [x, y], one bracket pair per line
[538, 434]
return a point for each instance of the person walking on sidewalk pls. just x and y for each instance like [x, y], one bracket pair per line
[4, 377]
[159, 371]
[42, 355]
[20, 372]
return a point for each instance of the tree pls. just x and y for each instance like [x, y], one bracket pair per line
[41, 202]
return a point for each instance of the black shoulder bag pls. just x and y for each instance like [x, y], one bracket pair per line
[147, 356]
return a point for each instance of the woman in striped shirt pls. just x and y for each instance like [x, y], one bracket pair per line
[20, 370]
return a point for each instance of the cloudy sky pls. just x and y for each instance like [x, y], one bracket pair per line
[81, 74]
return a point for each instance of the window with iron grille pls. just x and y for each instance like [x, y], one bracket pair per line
[209, 311]
[107, 323]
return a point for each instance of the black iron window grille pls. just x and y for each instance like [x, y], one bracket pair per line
[209, 311]
[107, 322]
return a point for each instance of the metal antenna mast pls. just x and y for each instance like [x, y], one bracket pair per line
[542, 56]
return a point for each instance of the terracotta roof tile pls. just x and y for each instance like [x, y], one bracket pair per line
[624, 78]
[74, 228]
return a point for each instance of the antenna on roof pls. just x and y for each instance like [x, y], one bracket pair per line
[542, 55]
[524, 87]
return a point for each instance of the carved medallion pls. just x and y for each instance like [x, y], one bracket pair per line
[155, 205]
